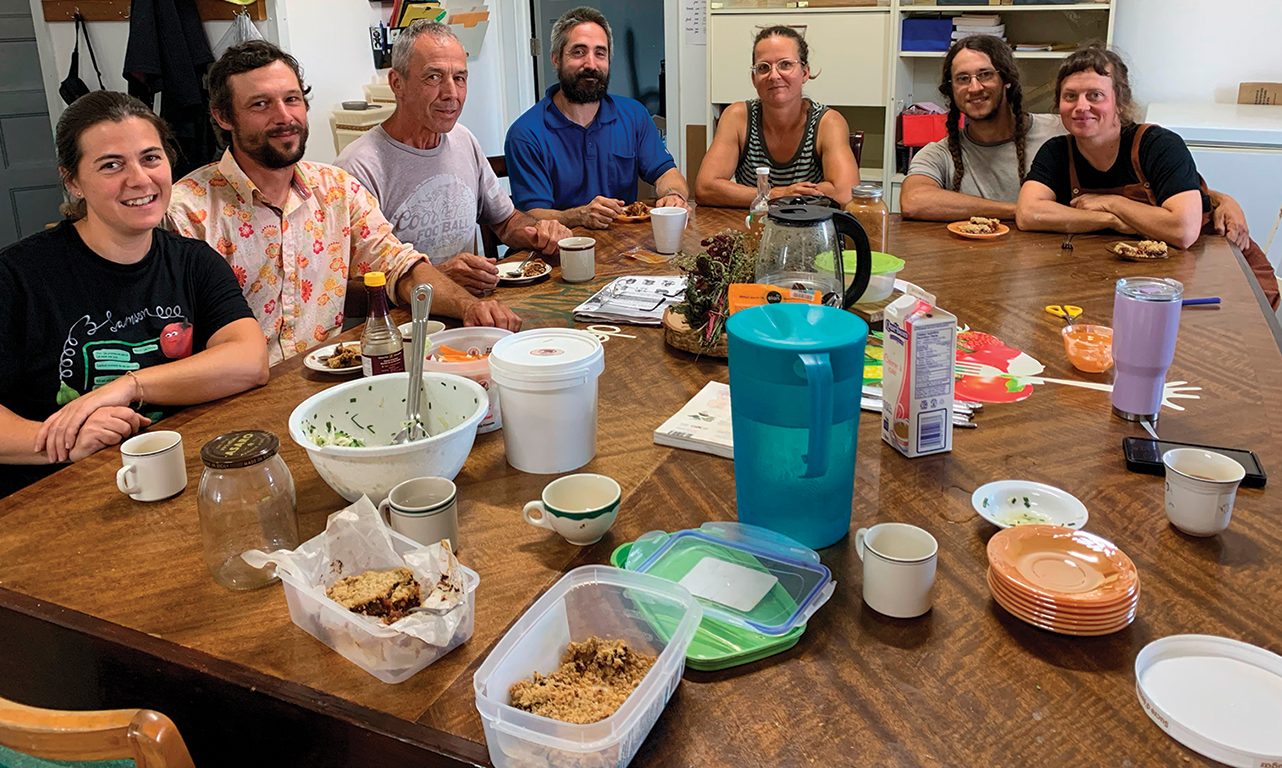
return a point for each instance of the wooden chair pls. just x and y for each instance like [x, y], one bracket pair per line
[857, 145]
[148, 737]
[489, 241]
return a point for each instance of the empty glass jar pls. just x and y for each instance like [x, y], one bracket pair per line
[246, 502]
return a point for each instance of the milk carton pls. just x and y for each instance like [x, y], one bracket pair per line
[917, 384]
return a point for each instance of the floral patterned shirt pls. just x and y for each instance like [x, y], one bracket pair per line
[292, 263]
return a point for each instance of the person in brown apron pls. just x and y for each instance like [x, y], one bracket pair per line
[1047, 203]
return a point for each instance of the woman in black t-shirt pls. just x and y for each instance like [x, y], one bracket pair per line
[1109, 173]
[104, 310]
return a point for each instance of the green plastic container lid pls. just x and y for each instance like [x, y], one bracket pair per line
[716, 644]
[882, 263]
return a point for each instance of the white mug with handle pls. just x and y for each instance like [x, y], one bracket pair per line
[899, 568]
[154, 466]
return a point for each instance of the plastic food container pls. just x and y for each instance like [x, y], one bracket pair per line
[547, 383]
[391, 656]
[591, 600]
[1089, 347]
[482, 340]
[885, 268]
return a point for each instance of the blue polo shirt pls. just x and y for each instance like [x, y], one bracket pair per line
[558, 164]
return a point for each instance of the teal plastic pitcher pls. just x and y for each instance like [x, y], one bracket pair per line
[796, 375]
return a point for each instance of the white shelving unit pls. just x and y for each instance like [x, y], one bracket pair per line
[856, 52]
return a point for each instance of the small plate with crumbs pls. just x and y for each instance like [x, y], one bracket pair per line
[979, 228]
[514, 274]
[340, 359]
[1009, 503]
[1139, 250]
[634, 213]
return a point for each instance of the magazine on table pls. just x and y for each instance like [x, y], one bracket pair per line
[633, 300]
[703, 424]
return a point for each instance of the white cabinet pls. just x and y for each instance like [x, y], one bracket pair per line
[847, 53]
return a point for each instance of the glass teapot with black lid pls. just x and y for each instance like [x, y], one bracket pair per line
[797, 243]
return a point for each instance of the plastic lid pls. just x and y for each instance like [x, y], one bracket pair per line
[743, 575]
[882, 263]
[375, 280]
[546, 355]
[239, 449]
[1157, 289]
[867, 189]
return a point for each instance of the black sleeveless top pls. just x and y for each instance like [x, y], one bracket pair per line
[804, 165]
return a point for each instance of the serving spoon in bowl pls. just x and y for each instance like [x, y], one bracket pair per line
[421, 303]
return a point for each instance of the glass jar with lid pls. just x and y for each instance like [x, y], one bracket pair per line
[867, 206]
[246, 501]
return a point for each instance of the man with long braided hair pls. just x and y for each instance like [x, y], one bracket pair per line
[977, 170]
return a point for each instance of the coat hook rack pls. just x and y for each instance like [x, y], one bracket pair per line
[118, 10]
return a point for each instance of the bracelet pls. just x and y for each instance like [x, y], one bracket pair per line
[137, 384]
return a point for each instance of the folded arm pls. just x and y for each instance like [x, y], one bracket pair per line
[1177, 221]
[923, 198]
[234, 360]
[1038, 211]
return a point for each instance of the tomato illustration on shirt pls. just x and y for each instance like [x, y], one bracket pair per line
[176, 340]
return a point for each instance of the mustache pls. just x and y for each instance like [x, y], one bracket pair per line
[585, 74]
[290, 130]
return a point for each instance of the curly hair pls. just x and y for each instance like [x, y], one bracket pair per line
[90, 110]
[246, 57]
[999, 53]
[1100, 60]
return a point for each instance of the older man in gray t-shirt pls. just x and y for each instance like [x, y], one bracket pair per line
[431, 178]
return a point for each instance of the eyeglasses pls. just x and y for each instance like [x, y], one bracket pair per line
[782, 66]
[985, 77]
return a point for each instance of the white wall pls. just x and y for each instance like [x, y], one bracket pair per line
[1196, 50]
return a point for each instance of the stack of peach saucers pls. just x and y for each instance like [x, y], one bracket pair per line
[1065, 581]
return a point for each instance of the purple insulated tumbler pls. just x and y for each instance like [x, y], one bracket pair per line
[1146, 321]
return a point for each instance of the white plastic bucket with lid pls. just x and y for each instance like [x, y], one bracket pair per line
[473, 340]
[547, 380]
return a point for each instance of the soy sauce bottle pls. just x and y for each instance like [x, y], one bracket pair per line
[382, 348]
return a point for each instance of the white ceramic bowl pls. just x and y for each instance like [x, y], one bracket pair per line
[373, 410]
[1008, 503]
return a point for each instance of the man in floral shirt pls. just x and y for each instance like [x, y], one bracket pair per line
[293, 231]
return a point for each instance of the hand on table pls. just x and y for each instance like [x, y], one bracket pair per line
[491, 313]
[106, 427]
[675, 201]
[800, 188]
[1230, 221]
[1092, 202]
[601, 212]
[545, 235]
[58, 434]
[476, 274]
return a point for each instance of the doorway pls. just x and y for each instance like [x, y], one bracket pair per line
[636, 66]
[30, 191]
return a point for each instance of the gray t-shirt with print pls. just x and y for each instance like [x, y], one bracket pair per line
[991, 170]
[434, 198]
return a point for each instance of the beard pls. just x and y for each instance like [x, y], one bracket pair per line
[259, 146]
[996, 105]
[585, 87]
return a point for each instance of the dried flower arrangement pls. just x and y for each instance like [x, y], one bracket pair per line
[730, 256]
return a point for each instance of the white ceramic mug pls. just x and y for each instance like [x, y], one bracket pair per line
[579, 507]
[153, 466]
[899, 568]
[578, 259]
[1201, 487]
[424, 509]
[668, 223]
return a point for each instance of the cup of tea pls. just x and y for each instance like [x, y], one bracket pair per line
[899, 568]
[579, 507]
[668, 223]
[1201, 487]
[578, 259]
[153, 466]
[425, 509]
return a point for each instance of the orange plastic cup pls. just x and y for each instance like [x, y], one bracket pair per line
[1089, 347]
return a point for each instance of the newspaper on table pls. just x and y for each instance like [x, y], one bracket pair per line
[633, 300]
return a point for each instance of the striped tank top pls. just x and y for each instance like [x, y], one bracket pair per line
[804, 165]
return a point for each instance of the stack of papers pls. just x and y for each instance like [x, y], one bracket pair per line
[978, 24]
[633, 300]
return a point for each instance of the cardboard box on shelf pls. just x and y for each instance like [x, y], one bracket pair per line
[1259, 93]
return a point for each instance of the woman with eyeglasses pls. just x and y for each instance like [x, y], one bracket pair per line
[805, 145]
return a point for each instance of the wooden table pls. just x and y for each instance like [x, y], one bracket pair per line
[106, 602]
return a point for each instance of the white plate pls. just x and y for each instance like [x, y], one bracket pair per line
[1007, 503]
[433, 326]
[1216, 696]
[313, 360]
[507, 274]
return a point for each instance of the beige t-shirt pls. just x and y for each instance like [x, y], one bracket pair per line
[991, 170]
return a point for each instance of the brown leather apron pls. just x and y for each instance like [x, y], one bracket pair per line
[1142, 192]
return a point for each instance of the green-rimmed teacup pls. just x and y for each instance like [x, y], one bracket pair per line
[579, 507]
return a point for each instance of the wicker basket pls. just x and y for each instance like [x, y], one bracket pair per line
[678, 334]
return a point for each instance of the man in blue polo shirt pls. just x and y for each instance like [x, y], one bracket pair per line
[576, 155]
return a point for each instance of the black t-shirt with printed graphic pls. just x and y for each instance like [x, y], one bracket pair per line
[71, 321]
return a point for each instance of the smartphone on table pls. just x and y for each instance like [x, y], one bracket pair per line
[1144, 454]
